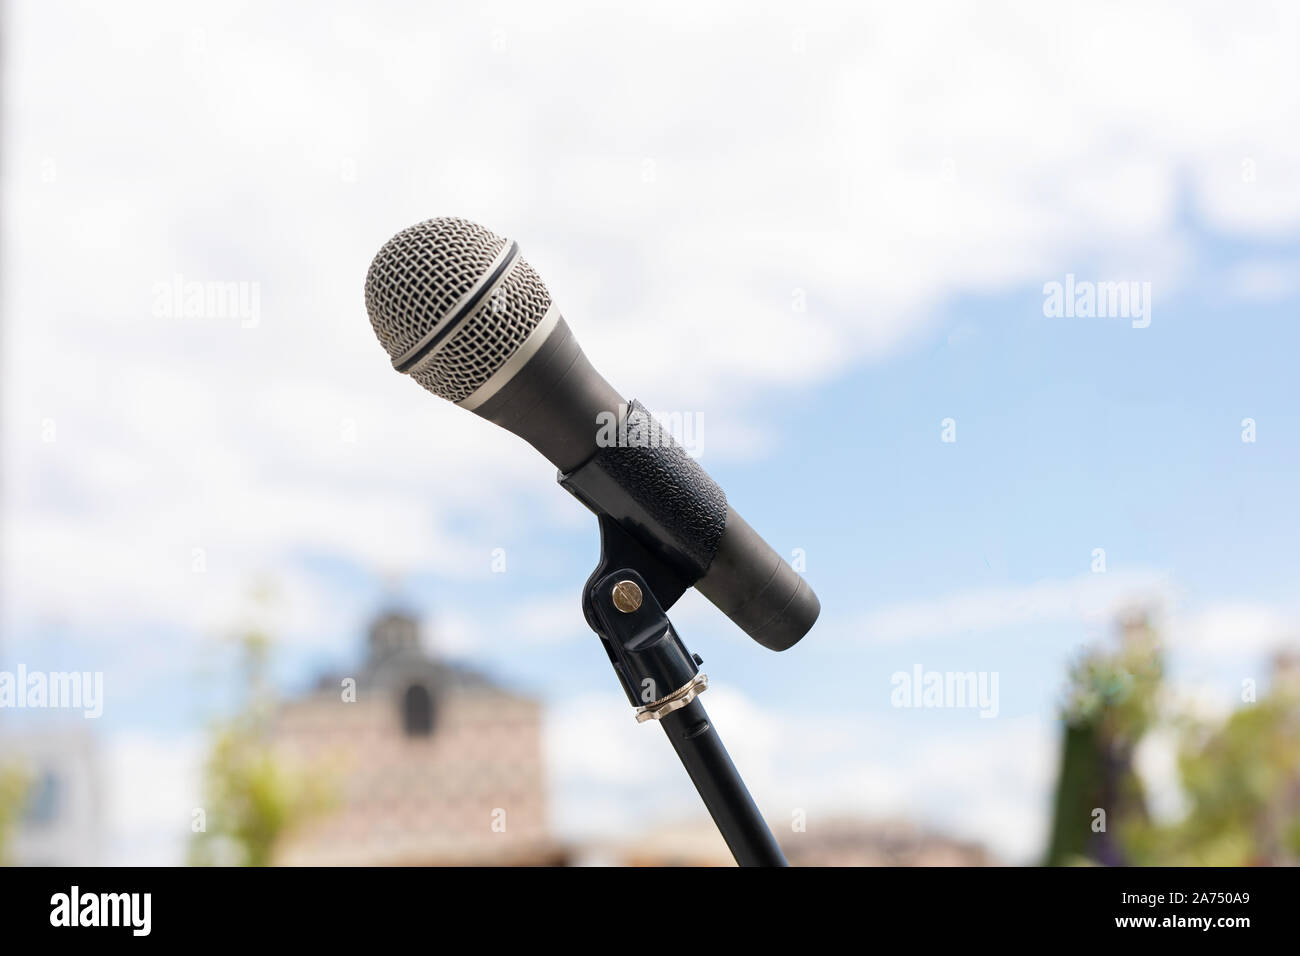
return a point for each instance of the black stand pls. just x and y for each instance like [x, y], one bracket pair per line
[624, 604]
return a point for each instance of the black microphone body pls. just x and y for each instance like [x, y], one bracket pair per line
[554, 403]
[531, 377]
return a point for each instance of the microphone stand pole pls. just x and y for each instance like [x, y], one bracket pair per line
[624, 604]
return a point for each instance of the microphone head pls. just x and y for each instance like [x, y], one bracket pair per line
[451, 303]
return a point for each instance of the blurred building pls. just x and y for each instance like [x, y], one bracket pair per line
[423, 763]
[835, 841]
[851, 842]
[429, 763]
[694, 842]
[60, 823]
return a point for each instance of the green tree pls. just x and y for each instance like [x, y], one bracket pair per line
[13, 797]
[1111, 701]
[1241, 779]
[252, 798]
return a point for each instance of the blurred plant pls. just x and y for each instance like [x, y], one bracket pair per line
[1111, 700]
[13, 798]
[252, 797]
[1240, 777]
[1242, 782]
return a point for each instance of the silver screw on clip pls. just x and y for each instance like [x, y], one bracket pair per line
[627, 596]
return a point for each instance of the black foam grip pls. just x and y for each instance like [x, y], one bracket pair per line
[644, 479]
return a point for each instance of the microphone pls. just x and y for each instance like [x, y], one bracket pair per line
[459, 310]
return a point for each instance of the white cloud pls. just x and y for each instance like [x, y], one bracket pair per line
[676, 175]
[153, 787]
[1236, 627]
[1089, 597]
[990, 783]
[550, 620]
[1264, 280]
[1199, 633]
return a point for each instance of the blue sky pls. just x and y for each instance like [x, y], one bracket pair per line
[919, 210]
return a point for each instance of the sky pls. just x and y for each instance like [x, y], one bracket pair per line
[823, 231]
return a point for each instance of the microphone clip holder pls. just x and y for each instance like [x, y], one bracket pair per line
[624, 602]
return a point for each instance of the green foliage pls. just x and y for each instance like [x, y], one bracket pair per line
[13, 796]
[1242, 784]
[252, 798]
[1240, 777]
[1111, 699]
[1117, 691]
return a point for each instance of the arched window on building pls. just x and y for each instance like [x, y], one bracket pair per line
[417, 711]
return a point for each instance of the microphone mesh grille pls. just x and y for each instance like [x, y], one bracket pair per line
[421, 273]
[485, 340]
